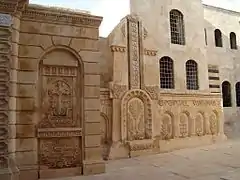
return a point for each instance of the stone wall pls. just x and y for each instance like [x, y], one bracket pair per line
[54, 93]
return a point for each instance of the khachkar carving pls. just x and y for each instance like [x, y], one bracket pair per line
[167, 127]
[117, 90]
[134, 52]
[153, 91]
[136, 117]
[59, 129]
[5, 52]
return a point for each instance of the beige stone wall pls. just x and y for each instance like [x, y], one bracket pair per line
[226, 58]
[41, 37]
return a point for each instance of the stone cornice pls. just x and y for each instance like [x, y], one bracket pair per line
[115, 48]
[148, 52]
[61, 16]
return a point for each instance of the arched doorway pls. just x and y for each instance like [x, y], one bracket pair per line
[59, 127]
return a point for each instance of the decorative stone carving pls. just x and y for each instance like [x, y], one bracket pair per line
[199, 124]
[115, 48]
[134, 52]
[153, 91]
[167, 127]
[188, 103]
[59, 128]
[183, 125]
[213, 123]
[141, 147]
[136, 116]
[136, 124]
[5, 50]
[59, 153]
[145, 33]
[5, 20]
[117, 90]
[49, 14]
[123, 29]
[150, 52]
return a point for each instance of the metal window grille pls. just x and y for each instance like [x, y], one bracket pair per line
[177, 27]
[233, 40]
[192, 75]
[226, 94]
[166, 73]
[238, 94]
[218, 38]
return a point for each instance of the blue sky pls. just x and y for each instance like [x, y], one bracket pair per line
[114, 10]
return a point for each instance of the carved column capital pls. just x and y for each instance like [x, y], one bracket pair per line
[117, 90]
[153, 91]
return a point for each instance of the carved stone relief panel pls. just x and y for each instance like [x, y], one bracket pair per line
[134, 53]
[60, 153]
[153, 91]
[136, 124]
[199, 124]
[136, 116]
[60, 126]
[167, 127]
[213, 123]
[117, 90]
[184, 125]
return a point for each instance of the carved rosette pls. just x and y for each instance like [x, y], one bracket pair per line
[136, 116]
[153, 91]
[5, 51]
[117, 90]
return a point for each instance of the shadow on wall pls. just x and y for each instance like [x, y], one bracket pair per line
[223, 50]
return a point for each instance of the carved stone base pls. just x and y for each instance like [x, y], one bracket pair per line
[93, 167]
[142, 147]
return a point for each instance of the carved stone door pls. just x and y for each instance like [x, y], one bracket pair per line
[59, 127]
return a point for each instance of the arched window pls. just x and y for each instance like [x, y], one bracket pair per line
[218, 38]
[177, 27]
[238, 94]
[226, 94]
[233, 40]
[166, 73]
[192, 75]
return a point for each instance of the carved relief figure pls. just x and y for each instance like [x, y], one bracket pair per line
[183, 125]
[199, 124]
[167, 127]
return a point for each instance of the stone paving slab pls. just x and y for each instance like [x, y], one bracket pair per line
[216, 162]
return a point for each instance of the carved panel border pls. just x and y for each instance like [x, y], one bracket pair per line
[64, 132]
[124, 109]
[5, 50]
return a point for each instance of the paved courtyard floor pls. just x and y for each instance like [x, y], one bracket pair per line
[216, 162]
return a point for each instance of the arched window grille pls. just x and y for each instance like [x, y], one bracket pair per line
[177, 27]
[233, 40]
[166, 73]
[237, 94]
[192, 75]
[226, 94]
[218, 38]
